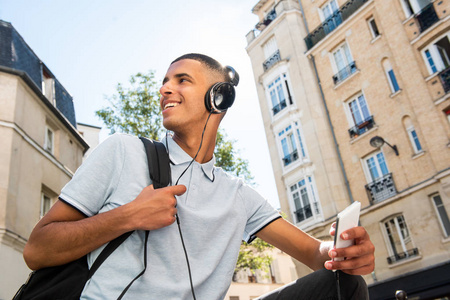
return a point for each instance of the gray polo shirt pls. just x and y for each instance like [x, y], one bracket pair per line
[216, 213]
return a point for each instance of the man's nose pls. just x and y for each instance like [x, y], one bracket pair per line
[165, 89]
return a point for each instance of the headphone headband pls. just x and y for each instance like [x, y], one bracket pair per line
[232, 75]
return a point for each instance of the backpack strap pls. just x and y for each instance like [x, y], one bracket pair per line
[107, 251]
[158, 163]
[159, 169]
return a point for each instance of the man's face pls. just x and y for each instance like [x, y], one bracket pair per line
[183, 93]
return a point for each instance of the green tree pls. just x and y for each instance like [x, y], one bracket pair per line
[254, 256]
[136, 110]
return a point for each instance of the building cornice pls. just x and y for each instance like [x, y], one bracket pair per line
[37, 147]
[30, 83]
[268, 30]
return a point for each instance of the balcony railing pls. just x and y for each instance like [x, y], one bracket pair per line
[272, 15]
[362, 127]
[402, 255]
[381, 189]
[333, 22]
[273, 59]
[293, 156]
[445, 79]
[426, 17]
[344, 73]
[279, 107]
[303, 213]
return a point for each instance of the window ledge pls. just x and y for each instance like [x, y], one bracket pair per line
[375, 39]
[405, 261]
[418, 154]
[354, 140]
[442, 99]
[346, 79]
[446, 240]
[408, 19]
[395, 94]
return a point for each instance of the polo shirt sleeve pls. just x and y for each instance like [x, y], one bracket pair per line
[259, 212]
[96, 179]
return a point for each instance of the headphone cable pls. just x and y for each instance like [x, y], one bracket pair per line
[176, 215]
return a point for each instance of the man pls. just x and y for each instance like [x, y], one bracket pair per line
[111, 194]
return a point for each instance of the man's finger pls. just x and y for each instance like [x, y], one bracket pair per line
[354, 233]
[177, 189]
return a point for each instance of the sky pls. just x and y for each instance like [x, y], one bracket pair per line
[92, 45]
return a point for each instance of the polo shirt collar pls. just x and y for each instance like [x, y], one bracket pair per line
[178, 156]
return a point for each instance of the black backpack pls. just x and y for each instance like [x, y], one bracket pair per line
[66, 282]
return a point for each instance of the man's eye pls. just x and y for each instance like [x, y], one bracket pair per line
[183, 80]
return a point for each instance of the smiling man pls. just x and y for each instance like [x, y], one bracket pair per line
[112, 194]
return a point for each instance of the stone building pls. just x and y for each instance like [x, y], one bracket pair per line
[355, 99]
[40, 149]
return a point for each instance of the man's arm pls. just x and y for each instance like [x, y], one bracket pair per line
[64, 234]
[316, 254]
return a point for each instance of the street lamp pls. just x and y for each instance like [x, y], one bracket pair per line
[378, 141]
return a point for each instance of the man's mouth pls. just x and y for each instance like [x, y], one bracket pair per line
[171, 104]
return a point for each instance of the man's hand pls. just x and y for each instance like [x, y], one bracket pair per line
[153, 209]
[64, 234]
[360, 258]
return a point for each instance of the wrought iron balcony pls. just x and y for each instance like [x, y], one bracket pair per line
[402, 255]
[338, 17]
[279, 107]
[426, 17]
[303, 213]
[293, 156]
[362, 127]
[445, 79]
[381, 189]
[272, 15]
[345, 72]
[273, 59]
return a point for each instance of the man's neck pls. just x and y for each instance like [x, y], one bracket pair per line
[191, 146]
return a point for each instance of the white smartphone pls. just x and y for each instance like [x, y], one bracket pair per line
[346, 219]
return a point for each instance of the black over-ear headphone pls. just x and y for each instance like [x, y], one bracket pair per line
[221, 95]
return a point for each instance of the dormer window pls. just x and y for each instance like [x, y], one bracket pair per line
[48, 86]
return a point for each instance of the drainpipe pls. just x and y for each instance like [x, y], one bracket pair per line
[336, 145]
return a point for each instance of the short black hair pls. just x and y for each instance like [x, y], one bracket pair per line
[208, 61]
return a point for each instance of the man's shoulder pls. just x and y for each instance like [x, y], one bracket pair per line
[122, 140]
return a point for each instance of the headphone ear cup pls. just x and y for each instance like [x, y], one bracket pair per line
[220, 97]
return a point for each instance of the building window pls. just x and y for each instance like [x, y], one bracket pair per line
[343, 64]
[376, 165]
[437, 55]
[305, 203]
[447, 113]
[271, 53]
[270, 47]
[414, 138]
[411, 7]
[48, 86]
[380, 182]
[442, 214]
[49, 140]
[292, 144]
[393, 84]
[373, 28]
[360, 118]
[330, 16]
[277, 94]
[46, 203]
[399, 242]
